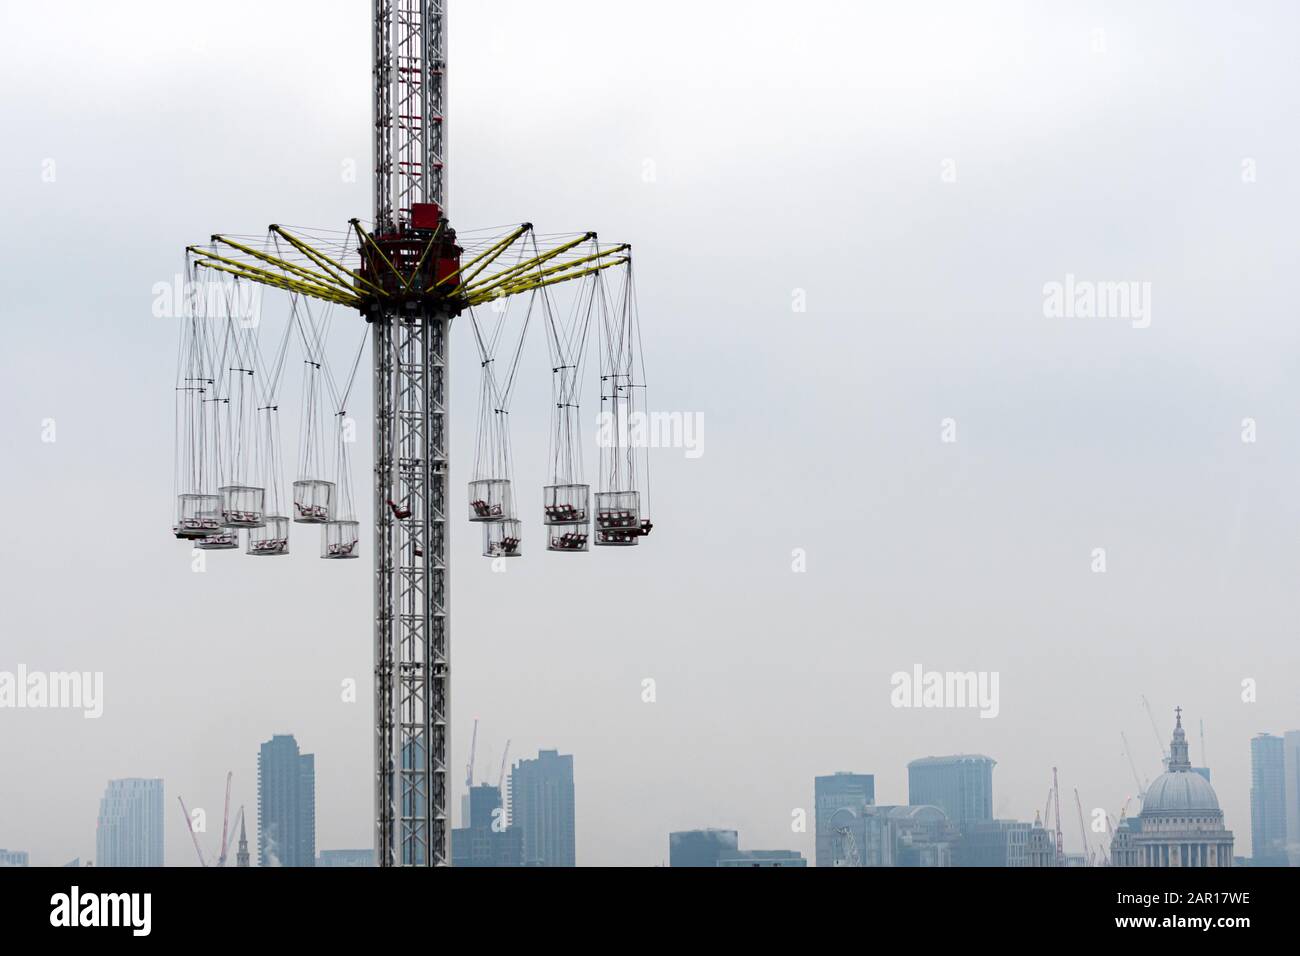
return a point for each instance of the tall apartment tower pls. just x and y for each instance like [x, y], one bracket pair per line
[961, 786]
[1268, 818]
[129, 831]
[286, 804]
[542, 806]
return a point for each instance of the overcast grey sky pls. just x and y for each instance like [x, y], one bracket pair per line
[919, 172]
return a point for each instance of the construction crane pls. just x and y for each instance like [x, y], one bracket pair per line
[1141, 785]
[409, 275]
[189, 825]
[469, 766]
[223, 848]
[1204, 761]
[1083, 829]
[225, 821]
[505, 756]
[1160, 739]
[1056, 801]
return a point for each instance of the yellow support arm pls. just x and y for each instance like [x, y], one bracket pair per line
[501, 293]
[487, 257]
[528, 279]
[279, 263]
[322, 260]
[286, 285]
[512, 272]
[365, 237]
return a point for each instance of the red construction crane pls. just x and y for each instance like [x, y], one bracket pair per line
[223, 848]
[189, 825]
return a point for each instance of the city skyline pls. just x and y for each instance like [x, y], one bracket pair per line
[841, 789]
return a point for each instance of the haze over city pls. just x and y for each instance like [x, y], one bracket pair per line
[845, 225]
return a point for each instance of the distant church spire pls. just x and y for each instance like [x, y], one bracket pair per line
[1179, 758]
[241, 858]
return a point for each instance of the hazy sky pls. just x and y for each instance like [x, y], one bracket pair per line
[916, 173]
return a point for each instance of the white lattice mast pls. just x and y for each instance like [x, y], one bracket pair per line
[412, 646]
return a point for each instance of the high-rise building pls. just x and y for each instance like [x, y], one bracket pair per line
[286, 804]
[905, 836]
[542, 806]
[1002, 843]
[13, 858]
[1268, 818]
[487, 839]
[700, 847]
[838, 802]
[1291, 790]
[960, 785]
[1181, 824]
[129, 831]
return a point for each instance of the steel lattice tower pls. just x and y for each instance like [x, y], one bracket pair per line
[412, 632]
[408, 279]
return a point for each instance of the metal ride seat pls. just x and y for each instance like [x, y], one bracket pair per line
[197, 515]
[313, 501]
[340, 539]
[490, 499]
[501, 539]
[272, 539]
[242, 506]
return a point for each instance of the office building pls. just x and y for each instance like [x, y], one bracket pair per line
[488, 839]
[961, 786]
[13, 858]
[1001, 843]
[735, 858]
[1291, 792]
[542, 806]
[1268, 818]
[701, 847]
[129, 831]
[838, 802]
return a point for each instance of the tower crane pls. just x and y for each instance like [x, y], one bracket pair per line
[1056, 801]
[409, 275]
[224, 846]
[469, 767]
[1160, 740]
[1128, 752]
[1083, 829]
[225, 821]
[505, 756]
[189, 825]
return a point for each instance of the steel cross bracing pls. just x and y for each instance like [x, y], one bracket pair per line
[412, 649]
[410, 73]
